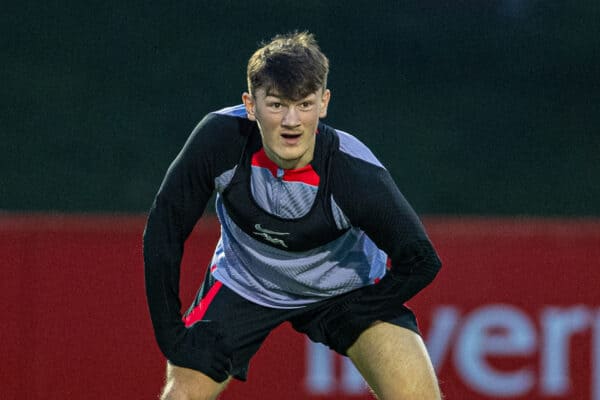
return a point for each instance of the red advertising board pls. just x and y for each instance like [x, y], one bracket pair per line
[514, 314]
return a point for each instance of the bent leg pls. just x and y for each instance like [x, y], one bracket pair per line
[395, 363]
[188, 384]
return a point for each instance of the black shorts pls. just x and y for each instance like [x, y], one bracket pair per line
[335, 322]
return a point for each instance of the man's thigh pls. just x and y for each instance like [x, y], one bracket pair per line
[395, 363]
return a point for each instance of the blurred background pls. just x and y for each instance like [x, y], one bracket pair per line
[487, 113]
[477, 107]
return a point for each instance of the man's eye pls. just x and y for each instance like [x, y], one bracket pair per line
[306, 105]
[276, 105]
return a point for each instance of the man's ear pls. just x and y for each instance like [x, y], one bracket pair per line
[325, 103]
[248, 101]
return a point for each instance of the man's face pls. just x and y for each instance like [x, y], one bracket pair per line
[288, 127]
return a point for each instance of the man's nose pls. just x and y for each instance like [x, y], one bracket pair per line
[291, 117]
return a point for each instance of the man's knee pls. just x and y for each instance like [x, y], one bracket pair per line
[175, 393]
[181, 391]
[187, 384]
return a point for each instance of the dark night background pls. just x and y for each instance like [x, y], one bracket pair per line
[477, 107]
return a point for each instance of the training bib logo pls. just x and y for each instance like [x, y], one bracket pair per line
[269, 235]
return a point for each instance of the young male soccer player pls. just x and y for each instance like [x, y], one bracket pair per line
[308, 220]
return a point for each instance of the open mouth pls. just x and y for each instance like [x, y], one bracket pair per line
[290, 135]
[291, 138]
